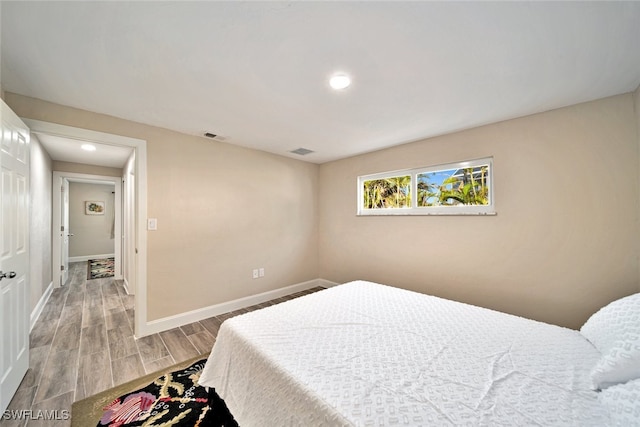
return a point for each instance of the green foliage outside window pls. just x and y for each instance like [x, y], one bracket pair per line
[467, 186]
[394, 192]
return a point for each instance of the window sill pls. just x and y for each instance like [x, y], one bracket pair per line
[413, 213]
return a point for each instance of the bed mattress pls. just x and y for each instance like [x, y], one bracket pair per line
[366, 354]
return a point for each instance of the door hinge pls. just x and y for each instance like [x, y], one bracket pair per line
[62, 228]
[62, 268]
[62, 189]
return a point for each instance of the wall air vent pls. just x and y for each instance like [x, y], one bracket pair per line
[301, 151]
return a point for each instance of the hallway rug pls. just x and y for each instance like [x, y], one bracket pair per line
[100, 268]
[171, 397]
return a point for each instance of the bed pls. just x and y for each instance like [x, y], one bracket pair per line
[366, 354]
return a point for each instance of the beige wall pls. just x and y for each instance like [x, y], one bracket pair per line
[222, 210]
[91, 233]
[554, 253]
[85, 169]
[564, 242]
[39, 221]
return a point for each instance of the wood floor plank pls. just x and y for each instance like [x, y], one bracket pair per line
[119, 333]
[192, 328]
[71, 313]
[75, 298]
[67, 337]
[92, 315]
[212, 325]
[127, 369]
[21, 400]
[113, 303]
[151, 348]
[37, 359]
[59, 403]
[94, 374]
[93, 339]
[59, 374]
[225, 316]
[159, 364]
[131, 318]
[178, 344]
[123, 347]
[109, 288]
[128, 301]
[202, 341]
[42, 333]
[116, 320]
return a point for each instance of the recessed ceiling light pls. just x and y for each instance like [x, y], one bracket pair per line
[88, 147]
[339, 81]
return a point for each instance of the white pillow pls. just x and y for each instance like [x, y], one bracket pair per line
[615, 331]
[620, 364]
[623, 403]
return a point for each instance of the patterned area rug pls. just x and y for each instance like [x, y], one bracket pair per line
[172, 399]
[99, 268]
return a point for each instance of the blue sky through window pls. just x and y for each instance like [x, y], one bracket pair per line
[433, 181]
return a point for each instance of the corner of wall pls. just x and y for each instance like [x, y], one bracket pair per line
[1, 90]
[636, 108]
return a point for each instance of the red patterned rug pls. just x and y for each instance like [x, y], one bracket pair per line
[173, 399]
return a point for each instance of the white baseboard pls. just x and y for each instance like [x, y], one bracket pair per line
[326, 283]
[174, 321]
[88, 257]
[37, 310]
[126, 286]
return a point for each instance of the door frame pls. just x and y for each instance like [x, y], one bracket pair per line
[57, 218]
[138, 259]
[64, 229]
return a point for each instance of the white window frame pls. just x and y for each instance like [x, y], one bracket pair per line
[431, 210]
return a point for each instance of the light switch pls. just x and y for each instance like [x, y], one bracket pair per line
[152, 224]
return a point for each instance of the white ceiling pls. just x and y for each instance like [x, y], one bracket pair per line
[69, 150]
[256, 72]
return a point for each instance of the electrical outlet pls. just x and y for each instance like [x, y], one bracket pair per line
[261, 272]
[255, 273]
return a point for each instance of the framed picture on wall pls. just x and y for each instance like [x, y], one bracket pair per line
[93, 208]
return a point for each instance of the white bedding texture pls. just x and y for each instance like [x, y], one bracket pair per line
[366, 354]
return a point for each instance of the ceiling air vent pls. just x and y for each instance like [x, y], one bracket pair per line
[301, 151]
[214, 136]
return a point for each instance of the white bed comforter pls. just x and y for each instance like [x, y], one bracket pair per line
[371, 355]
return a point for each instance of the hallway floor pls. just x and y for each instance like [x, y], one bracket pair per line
[83, 344]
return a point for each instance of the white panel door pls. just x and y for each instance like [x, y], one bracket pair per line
[14, 253]
[64, 233]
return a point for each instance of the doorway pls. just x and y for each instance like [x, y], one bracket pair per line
[80, 232]
[133, 236]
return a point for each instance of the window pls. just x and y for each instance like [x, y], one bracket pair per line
[462, 188]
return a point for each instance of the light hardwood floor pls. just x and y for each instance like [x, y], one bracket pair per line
[83, 344]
